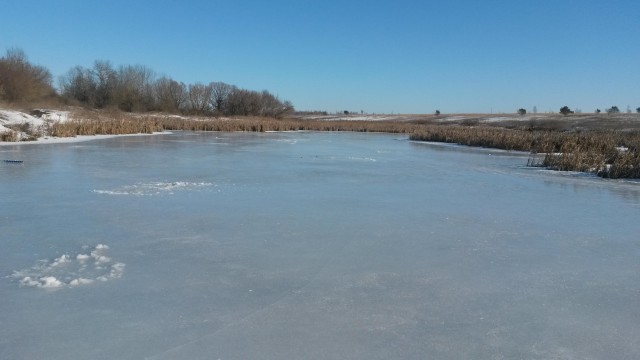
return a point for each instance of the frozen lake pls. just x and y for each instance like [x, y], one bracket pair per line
[311, 246]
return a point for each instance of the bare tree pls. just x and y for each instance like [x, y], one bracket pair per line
[22, 81]
[171, 95]
[219, 95]
[246, 102]
[238, 102]
[199, 97]
[106, 82]
[272, 106]
[94, 87]
[135, 90]
[79, 84]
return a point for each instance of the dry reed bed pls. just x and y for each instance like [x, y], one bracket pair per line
[612, 154]
[94, 123]
[107, 123]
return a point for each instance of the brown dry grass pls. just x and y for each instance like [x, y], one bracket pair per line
[10, 136]
[93, 122]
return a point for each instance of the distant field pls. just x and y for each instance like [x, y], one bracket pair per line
[558, 122]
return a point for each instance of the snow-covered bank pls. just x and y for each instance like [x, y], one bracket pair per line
[24, 125]
[19, 123]
[13, 117]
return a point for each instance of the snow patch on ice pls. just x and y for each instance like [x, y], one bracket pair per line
[80, 281]
[71, 271]
[49, 282]
[82, 257]
[155, 188]
[61, 260]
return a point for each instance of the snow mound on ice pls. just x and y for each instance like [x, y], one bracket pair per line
[71, 270]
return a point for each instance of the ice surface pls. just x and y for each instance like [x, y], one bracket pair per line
[312, 250]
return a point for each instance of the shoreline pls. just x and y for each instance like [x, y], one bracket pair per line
[583, 143]
[48, 140]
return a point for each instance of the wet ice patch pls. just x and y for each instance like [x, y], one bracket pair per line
[357, 158]
[155, 188]
[71, 270]
[352, 158]
[288, 141]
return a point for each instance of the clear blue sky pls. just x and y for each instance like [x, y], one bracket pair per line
[378, 56]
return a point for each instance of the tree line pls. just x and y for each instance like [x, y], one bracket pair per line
[132, 88]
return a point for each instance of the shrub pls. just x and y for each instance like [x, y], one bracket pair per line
[565, 111]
